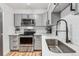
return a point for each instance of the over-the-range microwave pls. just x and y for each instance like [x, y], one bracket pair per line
[27, 22]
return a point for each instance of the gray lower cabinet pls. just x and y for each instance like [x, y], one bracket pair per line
[37, 42]
[14, 42]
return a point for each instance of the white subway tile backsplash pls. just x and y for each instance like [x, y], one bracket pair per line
[73, 25]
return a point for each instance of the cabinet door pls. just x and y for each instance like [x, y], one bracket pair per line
[17, 18]
[28, 16]
[25, 16]
[38, 43]
[32, 16]
[14, 42]
[38, 20]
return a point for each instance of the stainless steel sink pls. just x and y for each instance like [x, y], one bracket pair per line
[57, 46]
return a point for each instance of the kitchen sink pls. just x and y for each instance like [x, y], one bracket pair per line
[57, 46]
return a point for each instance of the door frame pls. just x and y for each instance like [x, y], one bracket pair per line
[1, 33]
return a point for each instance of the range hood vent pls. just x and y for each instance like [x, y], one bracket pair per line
[60, 7]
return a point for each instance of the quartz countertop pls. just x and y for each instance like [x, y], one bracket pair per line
[47, 52]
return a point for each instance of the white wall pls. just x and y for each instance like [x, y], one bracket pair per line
[73, 24]
[8, 26]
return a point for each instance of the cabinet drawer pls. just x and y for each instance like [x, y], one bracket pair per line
[14, 47]
[14, 42]
[37, 40]
[38, 43]
[37, 47]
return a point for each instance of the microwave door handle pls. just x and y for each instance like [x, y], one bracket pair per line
[31, 21]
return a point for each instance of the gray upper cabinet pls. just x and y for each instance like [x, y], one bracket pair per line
[17, 19]
[28, 16]
[24, 16]
[32, 16]
[39, 20]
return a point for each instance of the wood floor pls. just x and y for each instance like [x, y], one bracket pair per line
[17, 53]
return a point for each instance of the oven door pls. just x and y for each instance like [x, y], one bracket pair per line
[26, 40]
[26, 43]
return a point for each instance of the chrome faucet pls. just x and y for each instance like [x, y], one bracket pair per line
[67, 40]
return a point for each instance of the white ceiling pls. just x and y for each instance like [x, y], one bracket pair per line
[25, 6]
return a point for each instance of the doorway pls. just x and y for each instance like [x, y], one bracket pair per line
[1, 33]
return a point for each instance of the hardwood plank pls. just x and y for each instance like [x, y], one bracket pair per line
[33, 54]
[24, 53]
[30, 54]
[17, 53]
[13, 54]
[27, 53]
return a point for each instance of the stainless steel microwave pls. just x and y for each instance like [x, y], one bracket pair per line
[27, 22]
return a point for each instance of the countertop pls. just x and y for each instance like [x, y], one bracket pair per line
[46, 52]
[22, 33]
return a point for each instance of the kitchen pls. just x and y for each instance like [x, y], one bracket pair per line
[31, 27]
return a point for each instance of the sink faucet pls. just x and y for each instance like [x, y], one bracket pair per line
[67, 40]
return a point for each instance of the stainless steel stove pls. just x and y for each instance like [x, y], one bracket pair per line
[26, 42]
